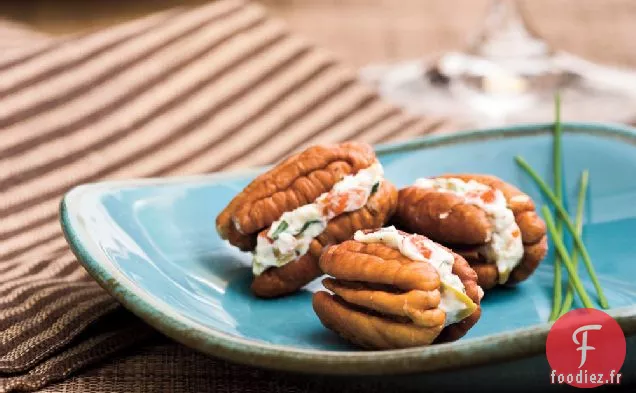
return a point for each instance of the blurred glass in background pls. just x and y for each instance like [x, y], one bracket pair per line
[480, 62]
[507, 74]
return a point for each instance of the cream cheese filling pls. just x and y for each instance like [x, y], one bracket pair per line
[505, 247]
[291, 235]
[454, 301]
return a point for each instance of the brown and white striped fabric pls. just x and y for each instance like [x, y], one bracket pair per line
[180, 92]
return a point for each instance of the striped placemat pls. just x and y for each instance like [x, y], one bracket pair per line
[180, 92]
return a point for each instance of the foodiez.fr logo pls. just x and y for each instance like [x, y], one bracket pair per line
[586, 349]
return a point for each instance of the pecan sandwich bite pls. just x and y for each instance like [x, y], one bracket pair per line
[392, 289]
[488, 221]
[313, 199]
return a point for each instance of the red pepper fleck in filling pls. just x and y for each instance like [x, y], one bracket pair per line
[336, 203]
[421, 246]
[488, 196]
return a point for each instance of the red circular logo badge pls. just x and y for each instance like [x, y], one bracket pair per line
[586, 349]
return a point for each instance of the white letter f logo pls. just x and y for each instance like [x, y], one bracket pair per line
[584, 347]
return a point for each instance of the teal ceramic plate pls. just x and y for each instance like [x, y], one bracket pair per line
[153, 245]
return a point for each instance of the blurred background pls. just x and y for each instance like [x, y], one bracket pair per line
[366, 31]
[409, 50]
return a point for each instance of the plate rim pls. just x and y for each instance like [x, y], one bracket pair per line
[497, 347]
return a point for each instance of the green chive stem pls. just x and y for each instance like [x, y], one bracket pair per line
[570, 226]
[578, 223]
[558, 188]
[563, 252]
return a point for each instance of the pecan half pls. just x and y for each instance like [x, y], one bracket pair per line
[488, 274]
[296, 274]
[296, 181]
[382, 299]
[445, 217]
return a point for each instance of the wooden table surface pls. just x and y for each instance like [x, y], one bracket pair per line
[364, 31]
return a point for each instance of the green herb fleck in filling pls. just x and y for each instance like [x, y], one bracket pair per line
[281, 227]
[307, 225]
[375, 188]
